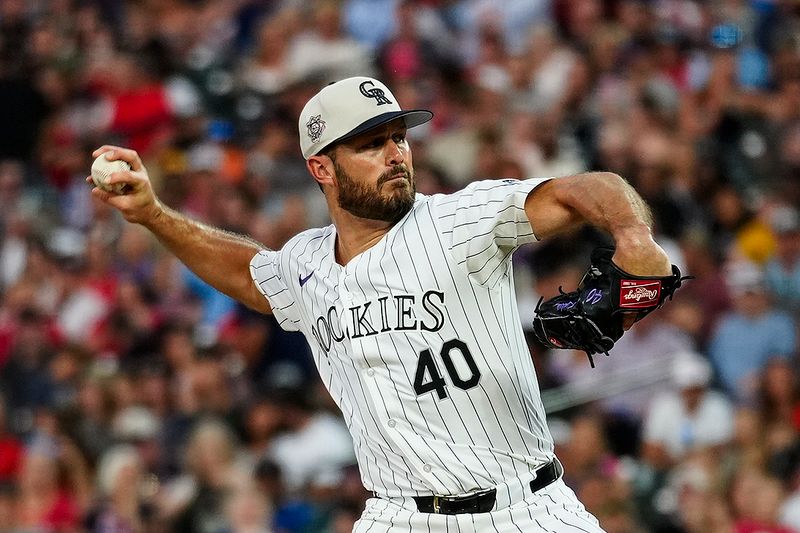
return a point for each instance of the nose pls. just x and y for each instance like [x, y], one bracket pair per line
[394, 153]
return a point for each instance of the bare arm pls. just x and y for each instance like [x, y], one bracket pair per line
[607, 201]
[220, 258]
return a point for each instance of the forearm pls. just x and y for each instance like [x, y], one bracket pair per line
[220, 258]
[608, 202]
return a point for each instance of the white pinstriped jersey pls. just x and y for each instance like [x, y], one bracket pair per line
[419, 341]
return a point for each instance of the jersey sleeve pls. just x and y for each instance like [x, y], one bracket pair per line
[267, 274]
[484, 223]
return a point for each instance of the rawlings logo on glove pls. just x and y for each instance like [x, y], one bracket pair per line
[639, 293]
[591, 318]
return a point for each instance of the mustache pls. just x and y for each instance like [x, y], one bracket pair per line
[393, 172]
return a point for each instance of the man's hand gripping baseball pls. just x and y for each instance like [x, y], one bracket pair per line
[139, 203]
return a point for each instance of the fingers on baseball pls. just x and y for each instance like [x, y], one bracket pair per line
[122, 178]
[117, 152]
[124, 182]
[99, 193]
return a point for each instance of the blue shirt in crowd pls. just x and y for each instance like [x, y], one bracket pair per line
[741, 346]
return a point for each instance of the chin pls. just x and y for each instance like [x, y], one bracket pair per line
[406, 198]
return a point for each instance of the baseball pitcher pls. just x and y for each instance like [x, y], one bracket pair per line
[407, 302]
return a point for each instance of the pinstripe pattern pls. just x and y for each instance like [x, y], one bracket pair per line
[439, 282]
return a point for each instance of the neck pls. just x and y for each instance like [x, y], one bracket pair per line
[354, 235]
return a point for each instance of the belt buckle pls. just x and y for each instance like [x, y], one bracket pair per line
[436, 504]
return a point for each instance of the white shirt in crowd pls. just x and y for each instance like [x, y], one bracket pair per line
[669, 423]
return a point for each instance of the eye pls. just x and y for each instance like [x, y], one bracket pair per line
[374, 143]
[399, 137]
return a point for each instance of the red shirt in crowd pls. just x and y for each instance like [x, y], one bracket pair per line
[11, 453]
[143, 115]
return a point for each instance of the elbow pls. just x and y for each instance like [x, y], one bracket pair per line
[590, 178]
[601, 178]
[615, 179]
[577, 189]
[251, 297]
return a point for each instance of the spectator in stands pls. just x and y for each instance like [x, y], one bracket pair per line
[24, 380]
[119, 508]
[748, 336]
[262, 420]
[755, 502]
[196, 502]
[315, 446]
[689, 417]
[247, 508]
[587, 450]
[139, 429]
[52, 488]
[265, 69]
[779, 395]
[694, 500]
[325, 50]
[779, 406]
[597, 475]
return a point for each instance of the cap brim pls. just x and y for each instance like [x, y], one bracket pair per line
[413, 117]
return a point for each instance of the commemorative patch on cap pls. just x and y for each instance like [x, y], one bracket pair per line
[316, 126]
[638, 293]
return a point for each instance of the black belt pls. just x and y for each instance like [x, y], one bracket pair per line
[483, 501]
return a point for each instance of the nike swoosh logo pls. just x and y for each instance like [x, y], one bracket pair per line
[303, 280]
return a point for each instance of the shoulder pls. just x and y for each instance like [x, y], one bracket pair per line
[296, 250]
[499, 187]
[309, 235]
[478, 193]
[307, 242]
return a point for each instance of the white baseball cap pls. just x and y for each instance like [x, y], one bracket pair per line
[743, 277]
[347, 108]
[690, 369]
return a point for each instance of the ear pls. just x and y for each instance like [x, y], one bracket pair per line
[321, 169]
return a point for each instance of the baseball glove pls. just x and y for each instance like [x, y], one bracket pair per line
[591, 318]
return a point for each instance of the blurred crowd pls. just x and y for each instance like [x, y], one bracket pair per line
[135, 398]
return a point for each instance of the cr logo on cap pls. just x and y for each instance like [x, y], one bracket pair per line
[376, 93]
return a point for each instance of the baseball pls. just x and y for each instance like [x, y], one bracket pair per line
[102, 169]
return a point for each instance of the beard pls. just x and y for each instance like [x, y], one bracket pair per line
[369, 202]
